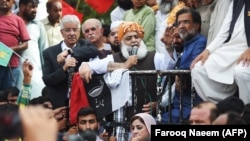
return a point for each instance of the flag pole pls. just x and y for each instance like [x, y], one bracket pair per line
[19, 55]
[77, 5]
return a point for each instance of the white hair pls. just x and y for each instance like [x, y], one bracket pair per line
[69, 18]
[141, 53]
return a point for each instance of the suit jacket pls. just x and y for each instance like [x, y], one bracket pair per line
[55, 78]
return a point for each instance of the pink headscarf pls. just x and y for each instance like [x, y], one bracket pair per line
[148, 120]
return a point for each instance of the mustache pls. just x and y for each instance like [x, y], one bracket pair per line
[91, 35]
[72, 37]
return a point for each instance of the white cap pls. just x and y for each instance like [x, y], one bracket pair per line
[115, 24]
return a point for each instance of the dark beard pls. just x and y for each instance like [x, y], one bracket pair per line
[5, 10]
[115, 48]
[28, 17]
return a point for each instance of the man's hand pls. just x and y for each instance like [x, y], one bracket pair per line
[27, 72]
[167, 38]
[131, 61]
[104, 136]
[245, 58]
[38, 124]
[69, 62]
[85, 72]
[179, 84]
[62, 56]
[58, 113]
[202, 57]
[62, 124]
[149, 107]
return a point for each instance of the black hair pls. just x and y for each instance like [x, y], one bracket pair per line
[84, 111]
[234, 118]
[45, 91]
[231, 103]
[195, 15]
[246, 113]
[39, 100]
[3, 98]
[25, 2]
[106, 29]
[125, 4]
[11, 90]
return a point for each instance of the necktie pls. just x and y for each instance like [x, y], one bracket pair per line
[237, 7]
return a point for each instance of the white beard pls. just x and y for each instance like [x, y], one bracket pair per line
[141, 52]
[166, 7]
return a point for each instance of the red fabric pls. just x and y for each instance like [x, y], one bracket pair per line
[100, 6]
[78, 97]
[67, 9]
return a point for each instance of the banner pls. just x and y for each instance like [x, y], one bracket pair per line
[67, 9]
[100, 6]
[5, 54]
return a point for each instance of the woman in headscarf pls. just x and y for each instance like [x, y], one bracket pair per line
[140, 127]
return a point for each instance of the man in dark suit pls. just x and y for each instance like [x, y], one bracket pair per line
[59, 62]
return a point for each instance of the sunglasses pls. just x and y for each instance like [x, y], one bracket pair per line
[92, 29]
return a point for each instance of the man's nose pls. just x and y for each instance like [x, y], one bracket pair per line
[88, 125]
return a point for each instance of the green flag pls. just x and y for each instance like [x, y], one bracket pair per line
[24, 96]
[5, 54]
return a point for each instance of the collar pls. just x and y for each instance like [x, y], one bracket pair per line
[137, 10]
[45, 21]
[192, 40]
[64, 46]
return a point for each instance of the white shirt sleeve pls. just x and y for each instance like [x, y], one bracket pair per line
[224, 30]
[100, 66]
[164, 61]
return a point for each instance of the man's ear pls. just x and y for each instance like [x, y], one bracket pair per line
[102, 30]
[197, 27]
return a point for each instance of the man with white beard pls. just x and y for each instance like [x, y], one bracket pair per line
[131, 34]
[165, 7]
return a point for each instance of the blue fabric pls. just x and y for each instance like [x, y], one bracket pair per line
[8, 78]
[191, 50]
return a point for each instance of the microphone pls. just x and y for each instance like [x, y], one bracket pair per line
[88, 135]
[71, 69]
[130, 51]
[134, 50]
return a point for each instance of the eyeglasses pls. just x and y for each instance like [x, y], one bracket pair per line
[185, 22]
[69, 29]
[87, 30]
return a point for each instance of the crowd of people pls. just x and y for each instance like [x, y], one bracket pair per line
[61, 86]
